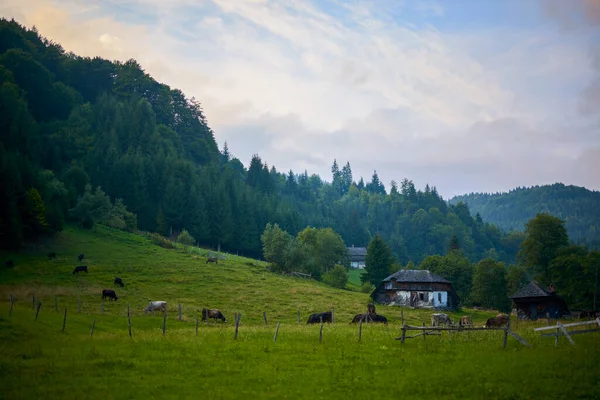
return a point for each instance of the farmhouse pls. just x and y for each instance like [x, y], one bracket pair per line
[535, 300]
[358, 256]
[416, 288]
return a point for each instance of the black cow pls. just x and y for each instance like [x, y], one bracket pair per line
[9, 264]
[317, 317]
[80, 257]
[110, 294]
[212, 259]
[589, 314]
[81, 268]
[51, 256]
[119, 282]
[206, 313]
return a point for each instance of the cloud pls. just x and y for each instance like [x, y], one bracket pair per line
[391, 86]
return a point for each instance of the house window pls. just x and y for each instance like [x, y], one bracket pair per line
[421, 296]
[440, 297]
[388, 285]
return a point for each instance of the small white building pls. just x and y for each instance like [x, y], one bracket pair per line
[358, 257]
[416, 288]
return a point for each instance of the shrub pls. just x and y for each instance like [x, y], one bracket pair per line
[367, 287]
[161, 241]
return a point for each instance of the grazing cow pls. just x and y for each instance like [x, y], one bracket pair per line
[439, 319]
[316, 318]
[80, 257]
[371, 308]
[212, 259]
[497, 322]
[465, 320]
[206, 313]
[110, 294]
[79, 269]
[119, 281]
[51, 256]
[156, 305]
[369, 317]
[9, 264]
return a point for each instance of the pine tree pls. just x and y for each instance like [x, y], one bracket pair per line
[378, 262]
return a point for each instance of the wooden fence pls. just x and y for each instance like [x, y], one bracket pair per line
[561, 330]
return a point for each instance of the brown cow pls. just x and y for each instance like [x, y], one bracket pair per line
[465, 320]
[371, 308]
[497, 322]
[206, 313]
[212, 259]
[369, 318]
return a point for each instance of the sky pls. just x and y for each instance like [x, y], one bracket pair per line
[465, 95]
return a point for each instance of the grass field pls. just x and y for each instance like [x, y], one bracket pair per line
[38, 360]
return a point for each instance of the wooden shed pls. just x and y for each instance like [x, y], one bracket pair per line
[358, 257]
[536, 301]
[416, 288]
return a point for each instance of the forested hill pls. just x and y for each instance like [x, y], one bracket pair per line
[78, 134]
[578, 206]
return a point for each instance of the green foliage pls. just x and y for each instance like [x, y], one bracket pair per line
[275, 241]
[457, 269]
[545, 235]
[326, 246]
[516, 278]
[91, 208]
[577, 206]
[337, 277]
[186, 239]
[161, 241]
[379, 261]
[489, 285]
[367, 287]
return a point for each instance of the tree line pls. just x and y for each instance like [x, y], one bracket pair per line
[77, 130]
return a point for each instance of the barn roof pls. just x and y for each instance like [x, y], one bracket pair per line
[415, 275]
[357, 253]
[533, 289]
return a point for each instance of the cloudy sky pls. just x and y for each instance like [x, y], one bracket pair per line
[466, 95]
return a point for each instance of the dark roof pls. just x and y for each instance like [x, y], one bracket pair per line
[357, 253]
[533, 289]
[415, 275]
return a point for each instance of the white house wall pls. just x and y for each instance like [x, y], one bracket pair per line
[433, 299]
[440, 299]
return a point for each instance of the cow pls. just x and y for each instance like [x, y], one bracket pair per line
[371, 308]
[51, 256]
[369, 317]
[212, 259]
[206, 313]
[439, 319]
[318, 317]
[79, 269]
[496, 322]
[119, 281]
[465, 320]
[156, 305]
[9, 264]
[80, 257]
[110, 294]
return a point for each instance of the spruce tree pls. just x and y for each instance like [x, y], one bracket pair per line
[378, 262]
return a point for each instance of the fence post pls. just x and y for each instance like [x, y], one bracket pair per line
[321, 332]
[402, 316]
[64, 320]
[12, 301]
[128, 319]
[265, 317]
[79, 303]
[298, 316]
[196, 325]
[179, 307]
[55, 303]
[276, 332]
[164, 323]
[32, 301]
[332, 315]
[424, 333]
[102, 305]
[360, 330]
[93, 325]
[38, 309]
[403, 333]
[237, 324]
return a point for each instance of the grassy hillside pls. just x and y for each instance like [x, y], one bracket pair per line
[40, 361]
[578, 206]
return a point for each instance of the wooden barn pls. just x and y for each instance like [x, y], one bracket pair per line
[416, 288]
[358, 256]
[536, 301]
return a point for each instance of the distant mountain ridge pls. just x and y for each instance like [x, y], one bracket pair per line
[578, 206]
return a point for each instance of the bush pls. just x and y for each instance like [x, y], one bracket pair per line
[337, 277]
[161, 241]
[367, 287]
[185, 239]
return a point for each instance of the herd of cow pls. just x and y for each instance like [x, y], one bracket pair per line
[443, 319]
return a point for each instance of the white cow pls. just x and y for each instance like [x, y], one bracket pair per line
[156, 305]
[439, 319]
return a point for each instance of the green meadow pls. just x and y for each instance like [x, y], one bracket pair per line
[39, 360]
